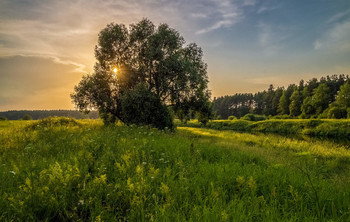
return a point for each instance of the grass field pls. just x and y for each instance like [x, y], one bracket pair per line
[331, 128]
[84, 171]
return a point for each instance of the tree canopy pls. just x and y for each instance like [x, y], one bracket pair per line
[328, 97]
[155, 57]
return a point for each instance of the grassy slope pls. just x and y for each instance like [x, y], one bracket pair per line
[312, 127]
[91, 172]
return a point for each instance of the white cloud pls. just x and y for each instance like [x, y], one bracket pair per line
[217, 25]
[67, 30]
[335, 39]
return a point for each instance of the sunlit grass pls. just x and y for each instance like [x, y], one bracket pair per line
[330, 128]
[92, 172]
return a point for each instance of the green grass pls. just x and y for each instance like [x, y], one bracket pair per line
[89, 172]
[312, 127]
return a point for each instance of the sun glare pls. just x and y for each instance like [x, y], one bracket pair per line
[115, 70]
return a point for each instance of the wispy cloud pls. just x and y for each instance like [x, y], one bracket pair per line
[272, 37]
[338, 16]
[217, 25]
[223, 14]
[335, 39]
[199, 15]
[264, 8]
[68, 30]
[249, 2]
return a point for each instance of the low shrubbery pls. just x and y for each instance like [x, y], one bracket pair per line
[27, 117]
[232, 118]
[253, 117]
[53, 122]
[337, 112]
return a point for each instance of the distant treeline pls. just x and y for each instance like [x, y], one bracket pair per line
[328, 97]
[40, 114]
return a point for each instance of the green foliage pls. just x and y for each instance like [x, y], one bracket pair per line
[253, 117]
[280, 101]
[40, 114]
[154, 56]
[282, 117]
[314, 127]
[53, 122]
[283, 108]
[307, 108]
[3, 118]
[142, 107]
[295, 104]
[205, 111]
[268, 106]
[321, 98]
[27, 117]
[337, 112]
[232, 118]
[120, 173]
[343, 97]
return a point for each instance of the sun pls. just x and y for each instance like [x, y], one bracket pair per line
[115, 70]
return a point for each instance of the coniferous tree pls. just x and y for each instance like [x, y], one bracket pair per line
[276, 99]
[283, 104]
[307, 108]
[268, 97]
[321, 98]
[295, 104]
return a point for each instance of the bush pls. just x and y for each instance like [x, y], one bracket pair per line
[252, 117]
[231, 118]
[337, 113]
[53, 122]
[142, 107]
[27, 117]
[285, 116]
[3, 118]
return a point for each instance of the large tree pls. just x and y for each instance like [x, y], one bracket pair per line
[155, 57]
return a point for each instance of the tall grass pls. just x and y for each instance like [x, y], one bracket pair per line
[91, 172]
[317, 128]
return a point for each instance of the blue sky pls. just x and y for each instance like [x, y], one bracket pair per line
[46, 46]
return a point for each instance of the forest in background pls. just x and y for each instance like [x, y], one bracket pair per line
[40, 114]
[328, 97]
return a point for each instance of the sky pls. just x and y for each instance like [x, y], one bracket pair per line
[46, 46]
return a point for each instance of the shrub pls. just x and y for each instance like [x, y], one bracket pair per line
[27, 117]
[252, 117]
[142, 107]
[337, 113]
[285, 116]
[231, 118]
[3, 118]
[53, 122]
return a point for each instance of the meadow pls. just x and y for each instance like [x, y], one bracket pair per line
[61, 169]
[321, 128]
